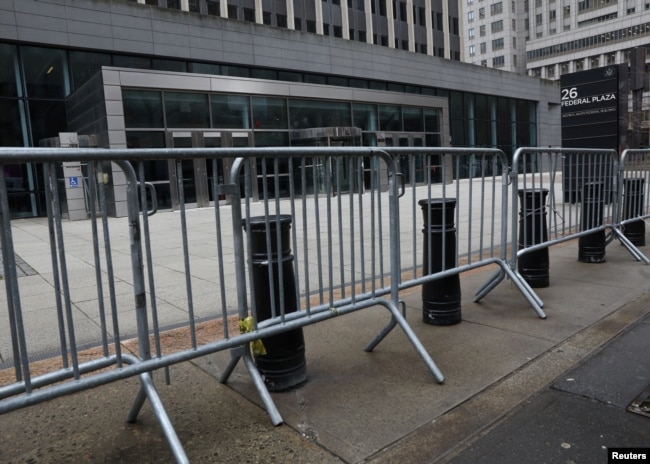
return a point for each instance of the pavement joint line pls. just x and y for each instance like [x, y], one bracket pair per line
[462, 426]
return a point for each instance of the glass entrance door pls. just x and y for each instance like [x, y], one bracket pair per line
[412, 166]
[192, 172]
[200, 174]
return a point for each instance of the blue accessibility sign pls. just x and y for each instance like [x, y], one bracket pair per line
[74, 182]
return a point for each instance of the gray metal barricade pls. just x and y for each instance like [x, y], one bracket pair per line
[581, 198]
[118, 320]
[634, 179]
[476, 181]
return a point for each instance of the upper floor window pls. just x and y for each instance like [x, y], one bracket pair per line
[496, 8]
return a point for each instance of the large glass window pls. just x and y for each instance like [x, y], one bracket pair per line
[47, 119]
[9, 75]
[10, 121]
[390, 118]
[46, 72]
[365, 116]
[84, 65]
[187, 110]
[431, 120]
[230, 112]
[142, 108]
[413, 121]
[316, 113]
[269, 113]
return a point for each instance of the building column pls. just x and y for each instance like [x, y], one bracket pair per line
[318, 8]
[445, 28]
[410, 22]
[428, 21]
[290, 15]
[259, 18]
[390, 16]
[368, 15]
[345, 19]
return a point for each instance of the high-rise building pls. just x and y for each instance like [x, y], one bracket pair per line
[167, 73]
[494, 34]
[548, 38]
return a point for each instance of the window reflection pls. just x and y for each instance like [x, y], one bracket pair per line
[142, 108]
[47, 119]
[269, 113]
[365, 116]
[45, 72]
[8, 71]
[184, 109]
[390, 118]
[84, 65]
[11, 133]
[230, 112]
[316, 113]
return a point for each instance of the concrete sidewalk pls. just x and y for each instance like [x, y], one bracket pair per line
[517, 389]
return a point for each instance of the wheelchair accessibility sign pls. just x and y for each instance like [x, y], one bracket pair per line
[74, 182]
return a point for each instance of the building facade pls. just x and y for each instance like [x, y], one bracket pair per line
[550, 38]
[181, 54]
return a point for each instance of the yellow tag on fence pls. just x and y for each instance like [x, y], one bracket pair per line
[245, 326]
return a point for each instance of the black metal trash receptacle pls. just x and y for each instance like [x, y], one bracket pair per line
[441, 297]
[533, 230]
[633, 197]
[284, 365]
[591, 247]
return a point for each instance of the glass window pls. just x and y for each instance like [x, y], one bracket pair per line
[365, 116]
[186, 109]
[271, 139]
[432, 120]
[126, 61]
[237, 71]
[84, 65]
[10, 121]
[205, 68]
[269, 113]
[169, 65]
[8, 71]
[47, 119]
[413, 121]
[149, 139]
[230, 111]
[315, 113]
[390, 118]
[45, 72]
[142, 108]
[269, 74]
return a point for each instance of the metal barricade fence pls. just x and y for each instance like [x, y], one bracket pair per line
[634, 178]
[575, 194]
[472, 185]
[118, 321]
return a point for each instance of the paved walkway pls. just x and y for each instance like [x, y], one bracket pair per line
[518, 388]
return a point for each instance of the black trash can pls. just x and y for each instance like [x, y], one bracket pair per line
[284, 365]
[633, 197]
[533, 230]
[441, 297]
[591, 247]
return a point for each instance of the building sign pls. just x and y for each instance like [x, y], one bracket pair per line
[590, 107]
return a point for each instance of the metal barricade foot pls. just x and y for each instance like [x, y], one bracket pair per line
[634, 251]
[265, 396]
[148, 391]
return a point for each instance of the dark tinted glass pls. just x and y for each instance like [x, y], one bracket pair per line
[84, 65]
[45, 72]
[269, 113]
[11, 133]
[47, 119]
[8, 71]
[142, 108]
[185, 109]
